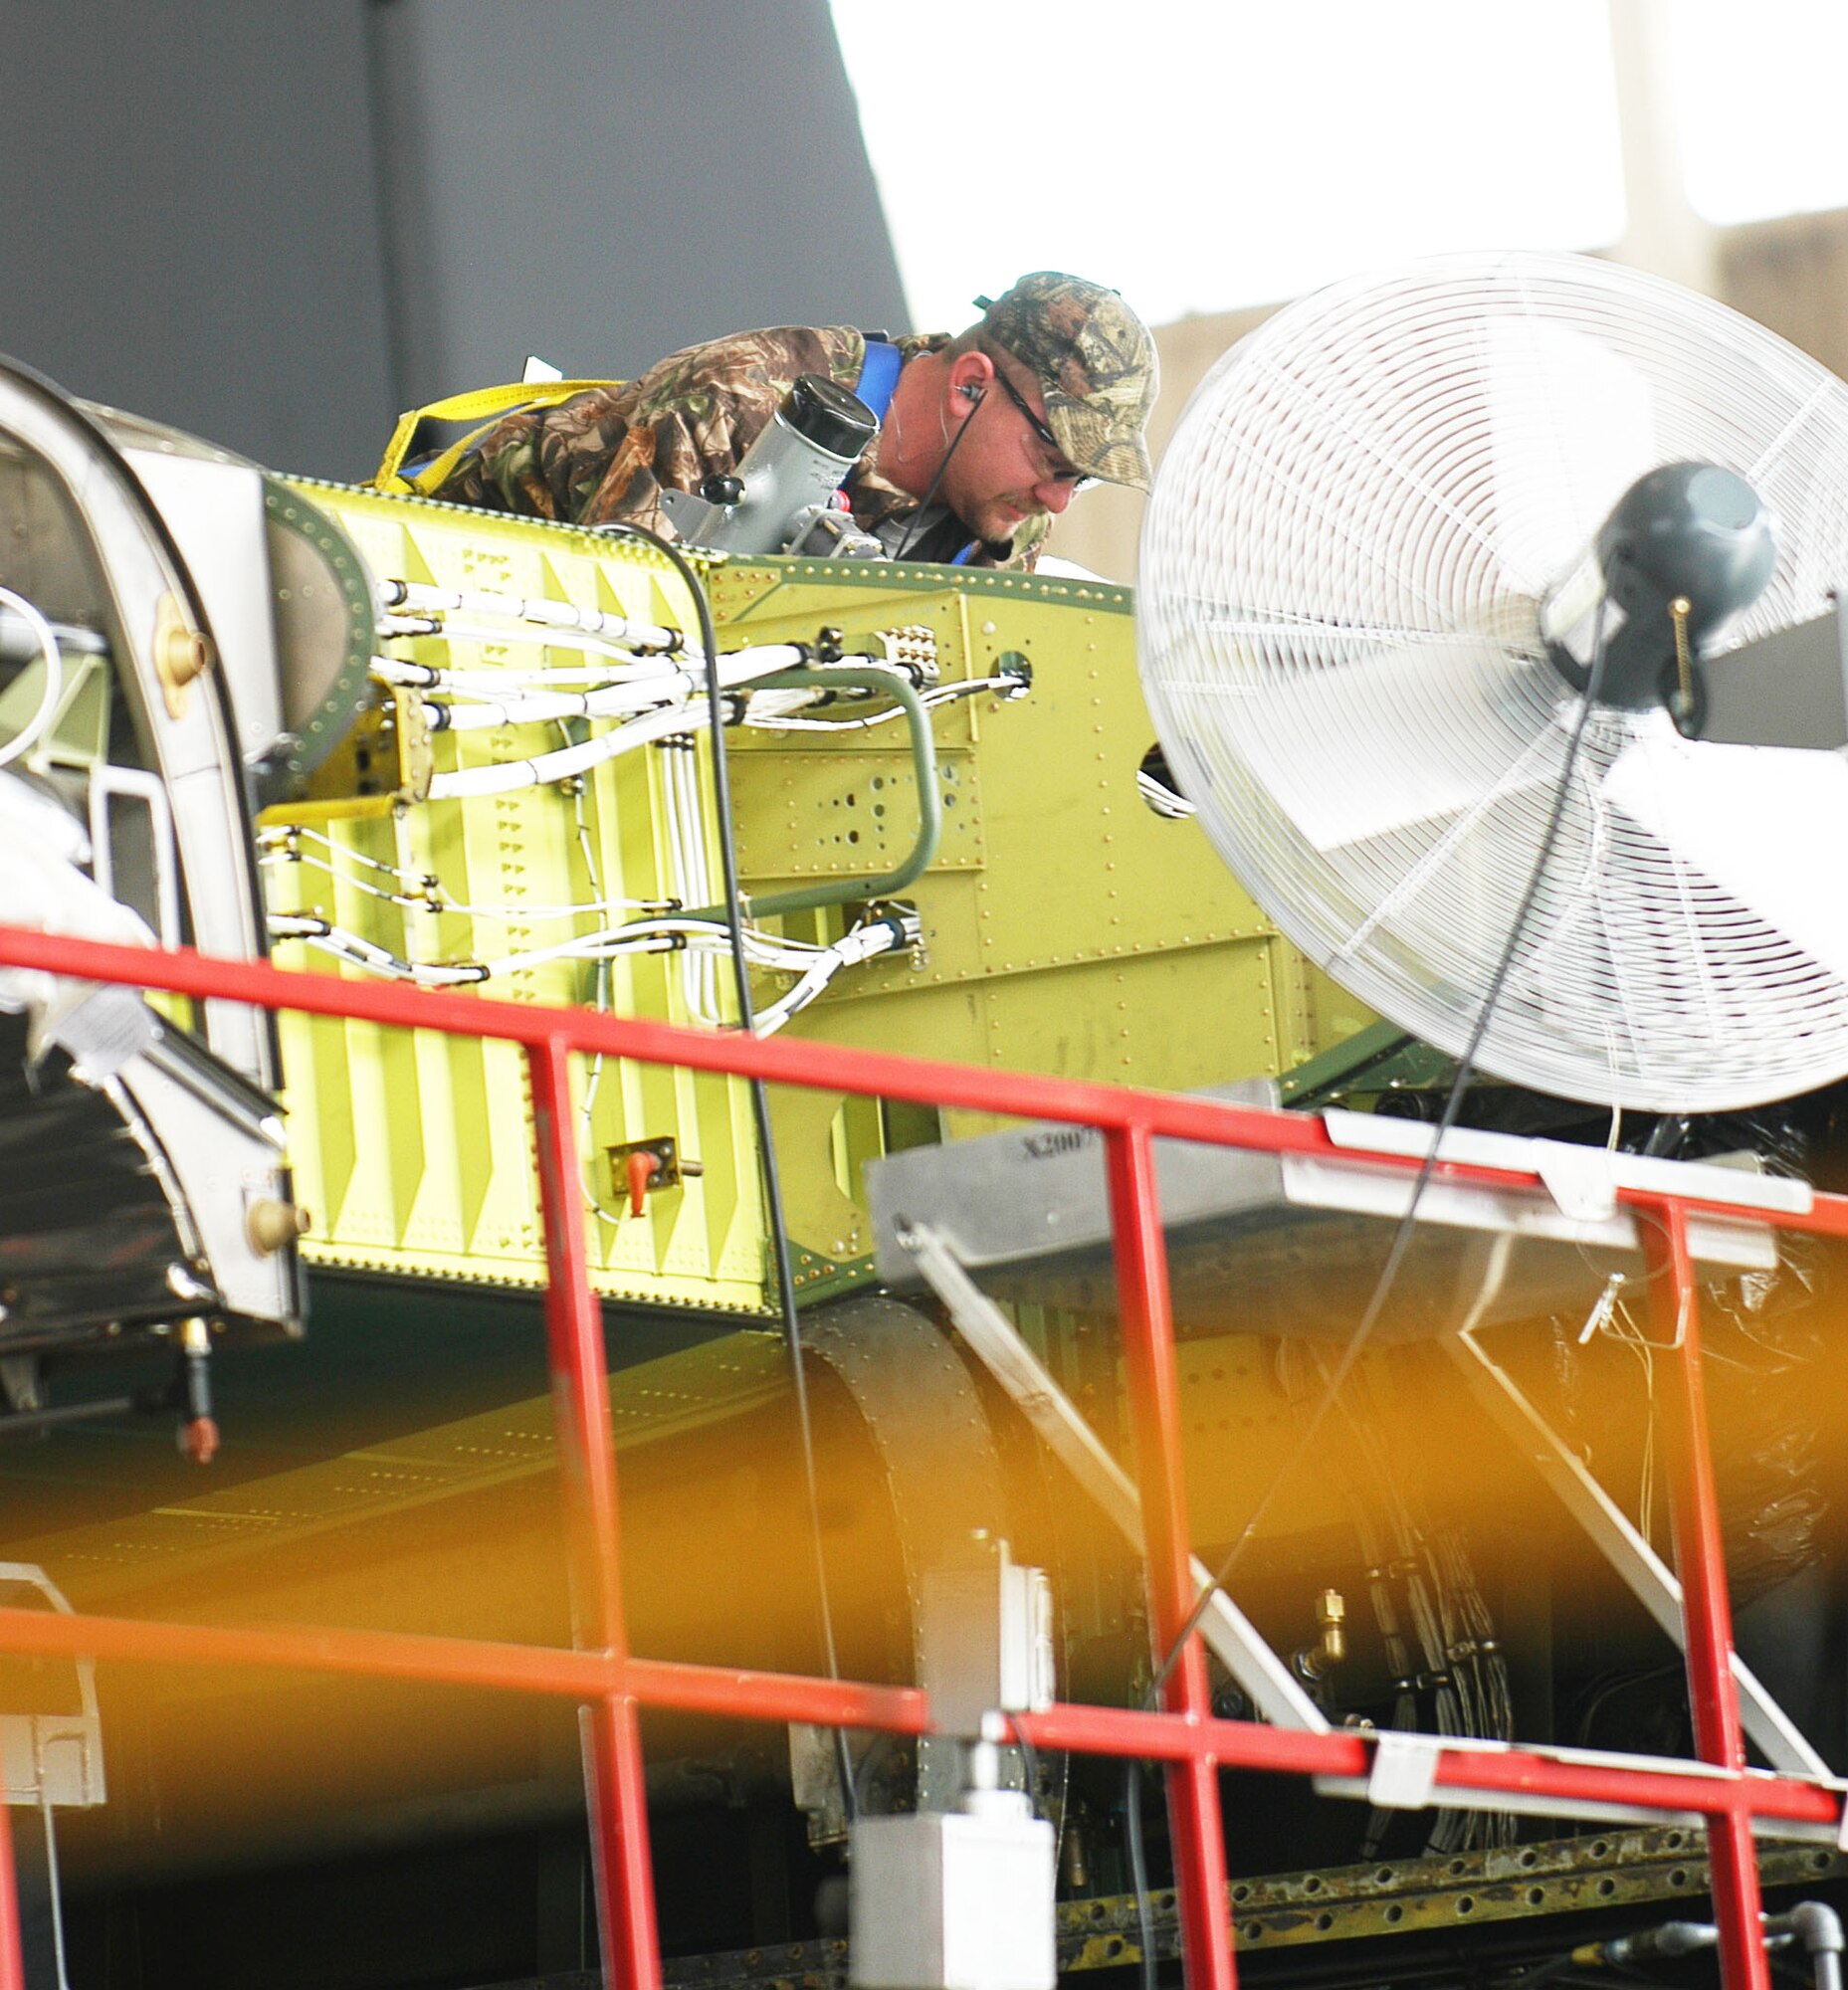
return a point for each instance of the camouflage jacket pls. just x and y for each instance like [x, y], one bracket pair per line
[604, 456]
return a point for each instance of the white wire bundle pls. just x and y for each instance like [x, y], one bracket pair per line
[853, 949]
[656, 936]
[1363, 510]
[652, 701]
[564, 764]
[543, 612]
[702, 987]
[644, 667]
[297, 844]
[759, 713]
[1162, 799]
[510, 634]
[480, 701]
[644, 677]
[815, 967]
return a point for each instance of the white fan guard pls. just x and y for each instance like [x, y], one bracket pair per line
[1343, 566]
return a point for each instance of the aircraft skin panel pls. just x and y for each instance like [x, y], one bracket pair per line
[1064, 926]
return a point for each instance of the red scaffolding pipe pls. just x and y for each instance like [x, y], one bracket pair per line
[601, 1673]
[1707, 1612]
[612, 1742]
[12, 1958]
[783, 1697]
[1196, 1826]
[780, 1061]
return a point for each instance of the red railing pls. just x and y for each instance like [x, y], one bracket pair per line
[600, 1669]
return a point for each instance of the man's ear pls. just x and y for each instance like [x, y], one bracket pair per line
[970, 377]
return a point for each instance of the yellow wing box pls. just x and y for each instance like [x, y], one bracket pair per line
[1064, 926]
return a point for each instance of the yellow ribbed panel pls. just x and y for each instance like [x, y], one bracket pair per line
[413, 1151]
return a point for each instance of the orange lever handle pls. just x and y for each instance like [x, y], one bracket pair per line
[643, 1168]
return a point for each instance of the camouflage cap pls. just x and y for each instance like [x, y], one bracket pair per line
[1094, 362]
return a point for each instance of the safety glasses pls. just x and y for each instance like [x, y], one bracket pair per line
[1065, 473]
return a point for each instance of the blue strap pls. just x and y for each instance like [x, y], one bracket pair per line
[966, 554]
[879, 374]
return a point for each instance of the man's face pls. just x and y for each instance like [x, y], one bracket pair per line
[1003, 471]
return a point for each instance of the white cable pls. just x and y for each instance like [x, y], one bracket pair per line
[562, 763]
[767, 706]
[422, 901]
[741, 666]
[412, 628]
[586, 1167]
[589, 907]
[482, 715]
[691, 875]
[769, 719]
[326, 937]
[587, 1112]
[1013, 686]
[772, 1017]
[761, 949]
[275, 854]
[738, 668]
[272, 860]
[495, 682]
[853, 949]
[552, 614]
[276, 842]
[589, 946]
[27, 736]
[1163, 800]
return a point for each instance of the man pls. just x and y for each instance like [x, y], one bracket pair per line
[986, 438]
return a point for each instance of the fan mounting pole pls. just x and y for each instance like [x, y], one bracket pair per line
[1706, 1614]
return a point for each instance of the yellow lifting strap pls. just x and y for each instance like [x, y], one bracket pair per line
[477, 409]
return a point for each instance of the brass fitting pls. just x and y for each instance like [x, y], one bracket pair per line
[182, 654]
[1332, 1619]
[272, 1226]
[1316, 1661]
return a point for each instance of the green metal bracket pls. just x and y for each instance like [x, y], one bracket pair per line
[1368, 1060]
[852, 890]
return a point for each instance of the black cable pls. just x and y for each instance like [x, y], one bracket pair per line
[1605, 1689]
[1401, 1237]
[1138, 1869]
[1573, 1968]
[1547, 1972]
[1030, 1761]
[924, 503]
[1382, 1288]
[875, 1758]
[761, 1111]
[1581, 1976]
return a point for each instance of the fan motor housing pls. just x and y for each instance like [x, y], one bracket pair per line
[1687, 541]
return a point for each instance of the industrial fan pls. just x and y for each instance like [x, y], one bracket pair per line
[1503, 555]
